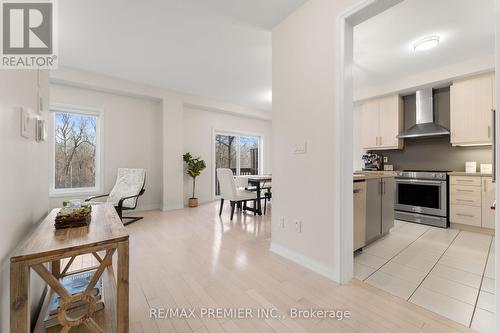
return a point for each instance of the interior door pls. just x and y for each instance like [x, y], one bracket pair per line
[370, 122]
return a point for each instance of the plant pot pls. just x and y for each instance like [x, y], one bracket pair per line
[193, 202]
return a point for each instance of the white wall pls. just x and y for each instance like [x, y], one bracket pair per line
[172, 104]
[431, 78]
[304, 57]
[132, 137]
[23, 176]
[198, 139]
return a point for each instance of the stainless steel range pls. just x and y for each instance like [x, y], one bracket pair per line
[422, 197]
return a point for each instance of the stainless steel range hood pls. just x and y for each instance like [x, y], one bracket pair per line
[425, 125]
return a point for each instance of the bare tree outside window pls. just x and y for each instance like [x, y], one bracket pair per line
[227, 154]
[75, 150]
[249, 155]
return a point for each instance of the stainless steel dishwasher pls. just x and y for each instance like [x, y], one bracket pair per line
[359, 214]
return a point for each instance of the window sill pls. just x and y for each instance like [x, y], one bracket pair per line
[73, 193]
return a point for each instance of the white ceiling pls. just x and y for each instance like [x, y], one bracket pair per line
[382, 45]
[214, 48]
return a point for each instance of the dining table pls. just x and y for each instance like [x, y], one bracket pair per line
[259, 182]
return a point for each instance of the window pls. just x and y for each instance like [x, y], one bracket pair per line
[240, 153]
[76, 147]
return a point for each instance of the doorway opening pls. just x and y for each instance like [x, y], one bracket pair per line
[345, 137]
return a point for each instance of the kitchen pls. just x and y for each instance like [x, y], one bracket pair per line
[424, 194]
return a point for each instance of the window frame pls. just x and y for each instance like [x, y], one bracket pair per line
[238, 134]
[99, 160]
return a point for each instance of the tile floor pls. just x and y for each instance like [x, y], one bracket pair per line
[447, 271]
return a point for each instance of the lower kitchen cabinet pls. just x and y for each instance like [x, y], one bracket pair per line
[379, 207]
[488, 197]
[388, 200]
[471, 198]
[359, 225]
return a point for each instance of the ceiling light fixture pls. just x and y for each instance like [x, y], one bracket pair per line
[426, 43]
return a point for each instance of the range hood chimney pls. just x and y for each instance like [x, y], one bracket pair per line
[425, 125]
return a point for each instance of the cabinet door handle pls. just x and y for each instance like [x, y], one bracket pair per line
[380, 140]
[464, 215]
[468, 191]
[465, 200]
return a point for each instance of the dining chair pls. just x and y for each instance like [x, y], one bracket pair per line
[229, 191]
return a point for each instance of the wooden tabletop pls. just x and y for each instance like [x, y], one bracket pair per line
[257, 178]
[45, 240]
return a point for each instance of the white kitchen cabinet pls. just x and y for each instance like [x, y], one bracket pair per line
[487, 198]
[471, 102]
[471, 198]
[382, 121]
[370, 124]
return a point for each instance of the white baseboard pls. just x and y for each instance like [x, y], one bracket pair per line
[302, 260]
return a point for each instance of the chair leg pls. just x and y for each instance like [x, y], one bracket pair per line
[233, 205]
[221, 205]
[265, 205]
[255, 207]
[131, 219]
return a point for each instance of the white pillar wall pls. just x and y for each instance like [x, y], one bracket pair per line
[173, 148]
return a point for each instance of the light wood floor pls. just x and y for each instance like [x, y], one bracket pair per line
[193, 258]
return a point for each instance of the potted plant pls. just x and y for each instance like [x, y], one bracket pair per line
[194, 167]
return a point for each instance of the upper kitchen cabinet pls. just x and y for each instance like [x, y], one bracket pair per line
[471, 102]
[382, 121]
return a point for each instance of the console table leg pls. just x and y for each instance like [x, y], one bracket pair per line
[19, 298]
[55, 267]
[122, 284]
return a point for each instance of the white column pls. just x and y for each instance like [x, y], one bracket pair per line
[173, 146]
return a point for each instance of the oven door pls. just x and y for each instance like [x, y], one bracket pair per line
[421, 196]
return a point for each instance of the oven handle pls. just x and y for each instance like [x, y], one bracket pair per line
[419, 181]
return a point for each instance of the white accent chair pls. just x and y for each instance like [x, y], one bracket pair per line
[229, 191]
[128, 188]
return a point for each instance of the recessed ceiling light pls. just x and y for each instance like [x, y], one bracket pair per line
[426, 43]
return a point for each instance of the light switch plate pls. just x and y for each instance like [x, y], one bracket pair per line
[26, 128]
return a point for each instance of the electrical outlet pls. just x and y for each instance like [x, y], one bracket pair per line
[298, 226]
[282, 222]
[300, 148]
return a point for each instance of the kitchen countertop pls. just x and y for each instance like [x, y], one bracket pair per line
[365, 175]
[469, 174]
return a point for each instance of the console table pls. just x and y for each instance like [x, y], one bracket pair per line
[102, 238]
